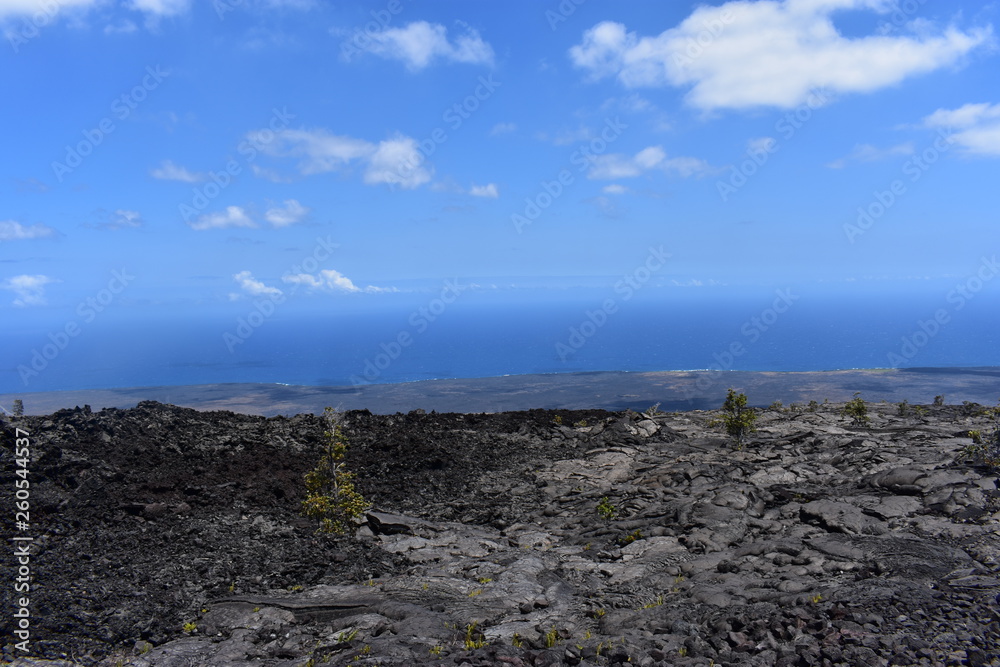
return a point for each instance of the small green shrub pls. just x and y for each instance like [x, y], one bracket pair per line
[813, 406]
[558, 420]
[738, 420]
[330, 494]
[939, 400]
[473, 637]
[903, 408]
[777, 406]
[857, 410]
[606, 509]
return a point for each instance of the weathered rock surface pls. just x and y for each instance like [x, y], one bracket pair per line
[167, 536]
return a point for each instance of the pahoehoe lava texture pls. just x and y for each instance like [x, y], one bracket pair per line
[168, 536]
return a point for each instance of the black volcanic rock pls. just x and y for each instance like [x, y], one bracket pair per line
[168, 536]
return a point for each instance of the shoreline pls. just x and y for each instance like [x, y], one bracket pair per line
[610, 390]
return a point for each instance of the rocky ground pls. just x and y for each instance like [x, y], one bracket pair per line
[168, 536]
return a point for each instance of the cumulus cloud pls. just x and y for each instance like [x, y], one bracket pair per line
[974, 127]
[42, 7]
[502, 128]
[768, 53]
[291, 213]
[254, 287]
[489, 190]
[29, 290]
[329, 280]
[168, 171]
[420, 43]
[233, 216]
[161, 7]
[399, 162]
[396, 161]
[614, 166]
[11, 230]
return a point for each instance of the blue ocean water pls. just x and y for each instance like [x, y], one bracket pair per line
[416, 337]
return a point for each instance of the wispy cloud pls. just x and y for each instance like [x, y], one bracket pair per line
[617, 165]
[420, 43]
[168, 171]
[502, 128]
[29, 290]
[329, 280]
[291, 213]
[974, 127]
[11, 230]
[254, 287]
[768, 53]
[396, 161]
[489, 190]
[869, 153]
[233, 216]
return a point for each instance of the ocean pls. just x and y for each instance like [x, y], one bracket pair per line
[360, 339]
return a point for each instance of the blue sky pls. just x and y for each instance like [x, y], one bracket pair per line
[222, 151]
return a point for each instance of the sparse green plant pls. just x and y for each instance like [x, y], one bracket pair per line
[516, 641]
[985, 448]
[295, 588]
[903, 408]
[606, 509]
[857, 410]
[473, 637]
[190, 627]
[477, 592]
[581, 424]
[558, 420]
[738, 420]
[330, 494]
[435, 651]
[485, 580]
[655, 603]
[939, 400]
[682, 651]
[232, 586]
[344, 636]
[813, 406]
[653, 411]
[551, 637]
[919, 410]
[631, 537]
[777, 406]
[816, 599]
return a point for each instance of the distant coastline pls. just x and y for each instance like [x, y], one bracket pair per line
[612, 390]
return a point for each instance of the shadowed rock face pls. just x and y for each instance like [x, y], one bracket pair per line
[817, 544]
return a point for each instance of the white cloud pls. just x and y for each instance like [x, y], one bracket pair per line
[233, 216]
[399, 162]
[269, 174]
[613, 166]
[420, 43]
[125, 218]
[489, 190]
[768, 53]
[168, 171]
[614, 189]
[329, 280]
[282, 217]
[975, 127]
[502, 128]
[319, 150]
[161, 7]
[41, 7]
[30, 290]
[869, 153]
[255, 287]
[11, 230]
